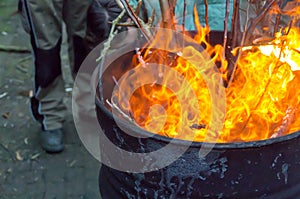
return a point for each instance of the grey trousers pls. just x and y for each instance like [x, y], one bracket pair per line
[43, 20]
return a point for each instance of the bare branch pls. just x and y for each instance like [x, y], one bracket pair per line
[257, 19]
[206, 17]
[183, 17]
[106, 48]
[277, 22]
[231, 76]
[138, 8]
[167, 14]
[115, 107]
[111, 35]
[206, 13]
[236, 25]
[119, 4]
[151, 19]
[226, 27]
[138, 22]
[126, 24]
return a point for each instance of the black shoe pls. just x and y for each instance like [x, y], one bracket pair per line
[52, 141]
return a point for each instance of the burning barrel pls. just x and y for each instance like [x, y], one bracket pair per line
[186, 117]
[261, 169]
[236, 168]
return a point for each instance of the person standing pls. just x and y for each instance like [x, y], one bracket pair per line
[43, 20]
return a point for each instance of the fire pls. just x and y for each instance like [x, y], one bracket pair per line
[265, 93]
[261, 102]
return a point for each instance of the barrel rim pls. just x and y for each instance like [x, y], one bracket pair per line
[194, 144]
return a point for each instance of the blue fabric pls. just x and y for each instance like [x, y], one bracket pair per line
[216, 12]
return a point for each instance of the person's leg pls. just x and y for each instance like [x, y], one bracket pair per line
[83, 103]
[75, 15]
[44, 21]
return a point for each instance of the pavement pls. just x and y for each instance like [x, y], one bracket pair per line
[26, 171]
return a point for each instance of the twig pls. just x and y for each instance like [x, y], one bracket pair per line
[183, 20]
[14, 49]
[126, 24]
[235, 23]
[111, 36]
[277, 21]
[120, 4]
[206, 17]
[290, 26]
[138, 22]
[138, 8]
[106, 48]
[287, 120]
[116, 82]
[231, 77]
[151, 19]
[114, 106]
[262, 40]
[206, 13]
[183, 17]
[172, 4]
[226, 27]
[140, 58]
[258, 19]
[166, 14]
[297, 51]
[118, 85]
[278, 18]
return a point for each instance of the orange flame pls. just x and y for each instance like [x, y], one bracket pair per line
[262, 101]
[264, 90]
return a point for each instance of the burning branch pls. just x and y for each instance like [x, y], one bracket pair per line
[287, 120]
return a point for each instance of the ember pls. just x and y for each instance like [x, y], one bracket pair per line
[262, 99]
